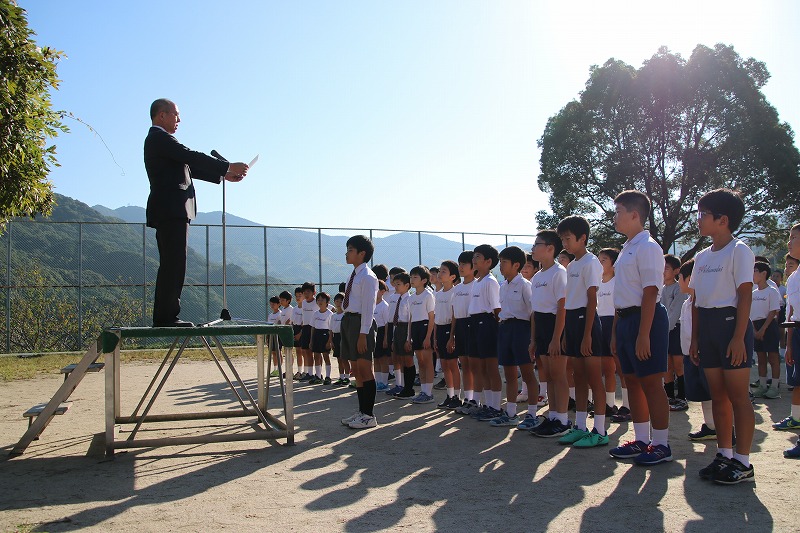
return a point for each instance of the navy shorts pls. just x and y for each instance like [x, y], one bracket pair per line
[720, 323]
[793, 371]
[337, 344]
[606, 324]
[675, 340]
[574, 325]
[419, 330]
[380, 351]
[484, 326]
[628, 331]
[399, 341]
[319, 341]
[442, 333]
[513, 339]
[544, 326]
[771, 337]
[462, 338]
[694, 381]
[351, 331]
[305, 337]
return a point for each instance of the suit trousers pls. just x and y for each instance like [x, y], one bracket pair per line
[172, 238]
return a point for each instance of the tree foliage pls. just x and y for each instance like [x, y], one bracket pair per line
[675, 129]
[27, 121]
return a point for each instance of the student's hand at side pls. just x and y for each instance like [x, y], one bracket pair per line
[408, 346]
[329, 345]
[426, 344]
[555, 348]
[451, 346]
[385, 343]
[532, 350]
[643, 347]
[586, 346]
[613, 342]
[736, 351]
[361, 345]
[694, 354]
[789, 357]
[759, 335]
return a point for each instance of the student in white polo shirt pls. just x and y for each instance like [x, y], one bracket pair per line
[420, 330]
[462, 338]
[443, 318]
[764, 315]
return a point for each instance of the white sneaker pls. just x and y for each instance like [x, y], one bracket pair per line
[363, 422]
[522, 397]
[542, 401]
[354, 416]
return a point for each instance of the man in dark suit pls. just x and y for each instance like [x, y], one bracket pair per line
[171, 205]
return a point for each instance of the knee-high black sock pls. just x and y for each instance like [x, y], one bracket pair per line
[409, 373]
[360, 393]
[368, 393]
[670, 389]
[679, 384]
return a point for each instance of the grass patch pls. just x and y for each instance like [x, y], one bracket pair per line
[15, 368]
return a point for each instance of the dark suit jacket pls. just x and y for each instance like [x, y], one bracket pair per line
[170, 168]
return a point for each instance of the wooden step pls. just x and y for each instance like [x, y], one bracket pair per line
[36, 410]
[94, 367]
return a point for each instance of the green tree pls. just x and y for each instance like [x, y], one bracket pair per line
[27, 121]
[674, 129]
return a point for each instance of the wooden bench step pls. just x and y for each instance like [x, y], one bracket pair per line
[36, 410]
[94, 367]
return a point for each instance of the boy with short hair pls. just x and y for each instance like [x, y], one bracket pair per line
[640, 336]
[321, 341]
[764, 316]
[381, 353]
[336, 340]
[672, 299]
[397, 331]
[582, 333]
[483, 310]
[308, 309]
[358, 329]
[548, 294]
[297, 328]
[723, 285]
[792, 422]
[514, 334]
[462, 340]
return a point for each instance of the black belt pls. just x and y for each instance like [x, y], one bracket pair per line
[789, 324]
[627, 311]
[514, 319]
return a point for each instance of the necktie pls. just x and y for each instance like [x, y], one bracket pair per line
[397, 311]
[347, 290]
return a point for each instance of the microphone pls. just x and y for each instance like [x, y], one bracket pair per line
[216, 154]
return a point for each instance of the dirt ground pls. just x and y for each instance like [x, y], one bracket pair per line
[422, 469]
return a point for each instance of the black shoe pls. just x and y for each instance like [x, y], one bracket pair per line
[716, 466]
[404, 394]
[442, 385]
[390, 378]
[174, 324]
[455, 403]
[735, 472]
[571, 406]
[444, 403]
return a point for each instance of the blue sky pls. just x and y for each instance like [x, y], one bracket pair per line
[424, 113]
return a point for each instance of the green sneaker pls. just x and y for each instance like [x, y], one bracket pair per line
[760, 391]
[573, 436]
[591, 440]
[772, 393]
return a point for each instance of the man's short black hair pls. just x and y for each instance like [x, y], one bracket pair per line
[612, 253]
[724, 202]
[569, 255]
[382, 286]
[338, 296]
[513, 254]
[672, 261]
[686, 269]
[325, 296]
[162, 104]
[635, 201]
[452, 268]
[575, 224]
[308, 286]
[465, 257]
[763, 266]
[362, 243]
[396, 270]
[298, 290]
[380, 271]
[423, 272]
[285, 295]
[550, 238]
[342, 286]
[403, 278]
[274, 300]
[488, 252]
[762, 258]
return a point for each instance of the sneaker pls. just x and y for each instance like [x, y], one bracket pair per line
[530, 422]
[629, 450]
[592, 440]
[338, 383]
[490, 414]
[394, 390]
[755, 384]
[274, 374]
[346, 421]
[787, 423]
[441, 385]
[679, 405]
[735, 472]
[504, 420]
[345, 381]
[654, 455]
[542, 401]
[793, 453]
[522, 397]
[305, 377]
[590, 407]
[552, 428]
[314, 380]
[444, 403]
[454, 403]
[474, 408]
[623, 415]
[573, 436]
[760, 391]
[297, 376]
[390, 378]
[705, 433]
[465, 407]
[477, 413]
[351, 384]
[416, 381]
[381, 387]
[404, 394]
[363, 422]
[772, 393]
[326, 381]
[422, 398]
[711, 471]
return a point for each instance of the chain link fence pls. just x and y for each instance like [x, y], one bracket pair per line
[65, 281]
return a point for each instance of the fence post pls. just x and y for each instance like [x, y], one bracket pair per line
[8, 288]
[463, 242]
[266, 278]
[208, 277]
[319, 255]
[144, 274]
[80, 286]
[419, 246]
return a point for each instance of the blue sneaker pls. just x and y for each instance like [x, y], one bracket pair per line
[477, 413]
[504, 420]
[551, 429]
[531, 422]
[793, 453]
[654, 455]
[381, 387]
[490, 414]
[394, 390]
[422, 398]
[787, 423]
[629, 450]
